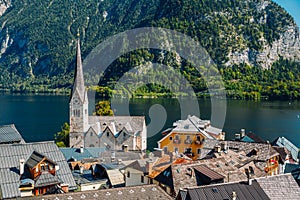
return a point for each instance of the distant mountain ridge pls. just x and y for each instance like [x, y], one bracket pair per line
[37, 38]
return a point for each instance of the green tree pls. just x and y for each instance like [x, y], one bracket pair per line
[62, 137]
[103, 109]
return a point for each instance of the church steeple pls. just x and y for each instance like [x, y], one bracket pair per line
[79, 117]
[79, 81]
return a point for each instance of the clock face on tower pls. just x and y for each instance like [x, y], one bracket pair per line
[76, 100]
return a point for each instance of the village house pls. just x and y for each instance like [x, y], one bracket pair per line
[189, 137]
[111, 132]
[33, 169]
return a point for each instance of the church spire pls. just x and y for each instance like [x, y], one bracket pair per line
[79, 81]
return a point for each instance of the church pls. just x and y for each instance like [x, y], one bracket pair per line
[110, 132]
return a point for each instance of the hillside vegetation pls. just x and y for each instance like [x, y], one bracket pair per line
[38, 43]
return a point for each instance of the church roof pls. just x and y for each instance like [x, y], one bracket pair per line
[79, 81]
[116, 124]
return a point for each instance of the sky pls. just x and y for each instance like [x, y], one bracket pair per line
[293, 7]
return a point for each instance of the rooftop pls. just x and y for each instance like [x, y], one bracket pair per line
[283, 142]
[74, 154]
[242, 190]
[280, 187]
[10, 156]
[9, 134]
[152, 192]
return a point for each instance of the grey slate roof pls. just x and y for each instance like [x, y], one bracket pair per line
[224, 191]
[265, 151]
[35, 158]
[88, 152]
[283, 142]
[46, 179]
[10, 156]
[9, 134]
[280, 187]
[152, 192]
[132, 124]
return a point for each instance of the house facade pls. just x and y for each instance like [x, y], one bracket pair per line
[32, 169]
[111, 132]
[188, 137]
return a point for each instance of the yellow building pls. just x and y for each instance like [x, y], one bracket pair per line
[188, 137]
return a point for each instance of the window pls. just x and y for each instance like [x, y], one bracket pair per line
[165, 149]
[177, 137]
[188, 137]
[176, 149]
[142, 179]
[188, 150]
[198, 138]
[198, 151]
[91, 134]
[171, 138]
[128, 174]
[107, 134]
[124, 134]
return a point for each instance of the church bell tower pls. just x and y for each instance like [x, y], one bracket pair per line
[78, 116]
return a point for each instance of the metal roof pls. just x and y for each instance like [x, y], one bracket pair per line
[243, 191]
[213, 175]
[115, 177]
[10, 156]
[283, 142]
[74, 153]
[9, 134]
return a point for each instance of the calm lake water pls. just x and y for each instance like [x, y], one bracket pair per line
[39, 117]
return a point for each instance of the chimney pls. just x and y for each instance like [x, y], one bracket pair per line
[243, 132]
[237, 136]
[113, 156]
[56, 167]
[22, 164]
[125, 148]
[234, 195]
[149, 166]
[218, 148]
[81, 149]
[224, 146]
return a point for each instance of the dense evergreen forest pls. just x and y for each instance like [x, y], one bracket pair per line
[40, 38]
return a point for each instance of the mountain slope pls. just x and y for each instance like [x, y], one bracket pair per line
[38, 37]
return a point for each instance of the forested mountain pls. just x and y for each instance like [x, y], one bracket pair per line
[254, 42]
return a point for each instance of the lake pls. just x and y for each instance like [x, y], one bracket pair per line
[38, 117]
